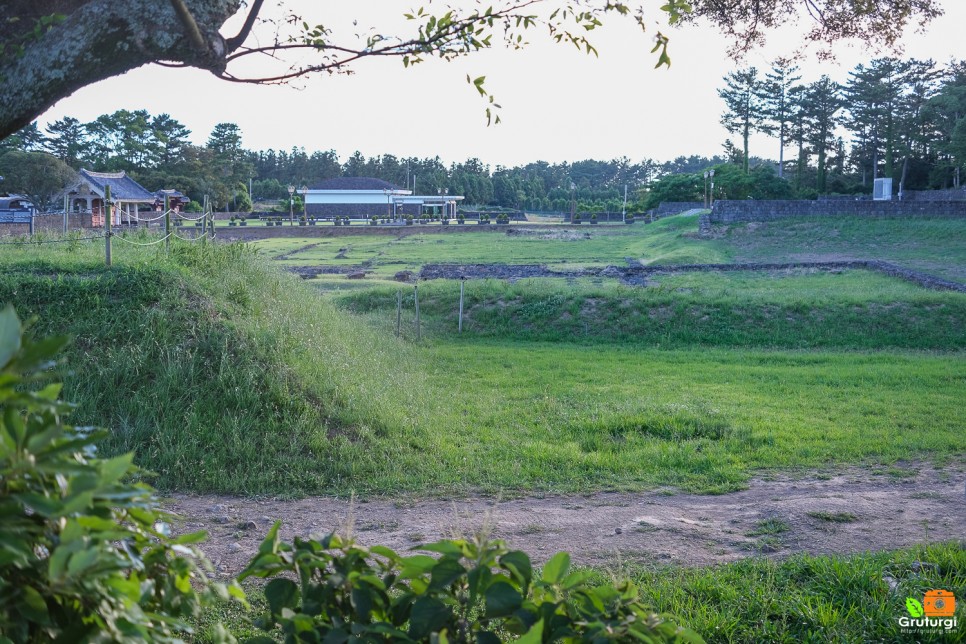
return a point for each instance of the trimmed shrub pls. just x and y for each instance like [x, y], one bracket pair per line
[476, 590]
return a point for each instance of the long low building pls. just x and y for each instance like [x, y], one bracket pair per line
[363, 197]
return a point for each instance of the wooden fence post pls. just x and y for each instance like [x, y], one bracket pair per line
[107, 225]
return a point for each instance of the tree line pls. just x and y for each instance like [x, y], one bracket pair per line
[895, 118]
[904, 119]
[157, 152]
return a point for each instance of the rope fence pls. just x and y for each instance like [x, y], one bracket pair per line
[134, 243]
[206, 219]
[188, 239]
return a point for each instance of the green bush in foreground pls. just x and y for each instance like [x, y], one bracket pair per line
[475, 591]
[84, 555]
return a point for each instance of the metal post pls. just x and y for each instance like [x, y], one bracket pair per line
[398, 311]
[66, 202]
[623, 208]
[167, 223]
[416, 299]
[462, 284]
[107, 225]
[30, 226]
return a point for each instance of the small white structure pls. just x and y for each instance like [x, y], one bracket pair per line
[361, 197]
[882, 190]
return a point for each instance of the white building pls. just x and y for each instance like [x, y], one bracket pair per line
[362, 197]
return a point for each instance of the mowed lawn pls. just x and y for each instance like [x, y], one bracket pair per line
[599, 245]
[574, 418]
[260, 386]
[935, 246]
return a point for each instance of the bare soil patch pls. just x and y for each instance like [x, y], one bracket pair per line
[852, 510]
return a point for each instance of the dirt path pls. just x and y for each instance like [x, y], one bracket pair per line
[850, 511]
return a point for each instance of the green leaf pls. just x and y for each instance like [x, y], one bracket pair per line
[555, 569]
[33, 606]
[534, 635]
[445, 573]
[112, 470]
[10, 332]
[428, 615]
[502, 599]
[914, 607]
[486, 637]
[443, 547]
[281, 593]
[478, 578]
[361, 600]
[518, 563]
[416, 566]
[191, 537]
[383, 551]
[575, 579]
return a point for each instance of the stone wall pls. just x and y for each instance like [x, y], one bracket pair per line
[725, 212]
[359, 210]
[952, 194]
[50, 224]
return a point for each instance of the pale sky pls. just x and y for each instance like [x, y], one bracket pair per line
[558, 105]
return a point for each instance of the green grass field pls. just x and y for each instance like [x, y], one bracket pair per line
[796, 309]
[587, 246]
[936, 246]
[929, 245]
[224, 374]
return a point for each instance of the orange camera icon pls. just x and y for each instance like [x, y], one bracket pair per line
[939, 603]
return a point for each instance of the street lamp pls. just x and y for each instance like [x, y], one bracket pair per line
[573, 201]
[291, 206]
[711, 192]
[708, 195]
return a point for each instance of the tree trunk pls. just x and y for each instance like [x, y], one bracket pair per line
[902, 179]
[781, 151]
[746, 134]
[98, 39]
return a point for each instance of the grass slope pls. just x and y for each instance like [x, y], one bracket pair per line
[220, 374]
[225, 375]
[786, 309]
[936, 246]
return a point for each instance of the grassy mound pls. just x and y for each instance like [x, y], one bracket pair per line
[783, 309]
[224, 374]
[219, 373]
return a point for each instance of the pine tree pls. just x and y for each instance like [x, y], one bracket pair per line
[822, 102]
[744, 114]
[68, 140]
[776, 104]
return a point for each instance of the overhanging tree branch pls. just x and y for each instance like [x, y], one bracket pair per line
[97, 39]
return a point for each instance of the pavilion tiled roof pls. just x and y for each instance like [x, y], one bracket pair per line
[123, 187]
